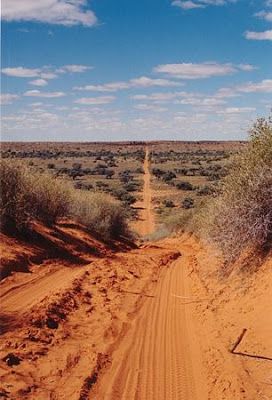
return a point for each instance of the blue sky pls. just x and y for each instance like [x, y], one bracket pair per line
[134, 70]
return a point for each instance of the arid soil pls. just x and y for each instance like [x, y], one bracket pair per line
[155, 322]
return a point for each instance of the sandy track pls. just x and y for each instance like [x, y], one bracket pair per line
[160, 358]
[146, 224]
[34, 289]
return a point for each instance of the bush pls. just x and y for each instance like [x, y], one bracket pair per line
[27, 196]
[187, 203]
[168, 176]
[100, 214]
[168, 204]
[184, 186]
[124, 196]
[132, 186]
[241, 216]
[180, 222]
[51, 166]
[205, 191]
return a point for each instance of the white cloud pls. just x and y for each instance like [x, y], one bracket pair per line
[21, 72]
[236, 110]
[265, 86]
[192, 4]
[266, 15]
[60, 12]
[199, 71]
[43, 73]
[48, 75]
[7, 98]
[74, 68]
[48, 95]
[149, 107]
[247, 67]
[187, 5]
[266, 35]
[38, 82]
[202, 102]
[89, 101]
[159, 97]
[107, 87]
[225, 93]
[142, 82]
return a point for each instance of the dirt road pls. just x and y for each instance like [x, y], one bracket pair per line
[160, 357]
[146, 223]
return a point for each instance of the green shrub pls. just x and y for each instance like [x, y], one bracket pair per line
[184, 186]
[188, 202]
[168, 204]
[101, 214]
[27, 196]
[241, 216]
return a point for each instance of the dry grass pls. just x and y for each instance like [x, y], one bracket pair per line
[28, 196]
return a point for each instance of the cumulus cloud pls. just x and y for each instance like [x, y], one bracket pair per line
[187, 5]
[265, 35]
[43, 73]
[59, 12]
[149, 107]
[48, 95]
[203, 102]
[266, 15]
[89, 101]
[199, 71]
[8, 98]
[73, 68]
[38, 82]
[142, 82]
[160, 97]
[21, 72]
[265, 86]
[192, 4]
[236, 110]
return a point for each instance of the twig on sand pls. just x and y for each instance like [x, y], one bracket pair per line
[138, 293]
[182, 297]
[238, 341]
[236, 344]
[193, 299]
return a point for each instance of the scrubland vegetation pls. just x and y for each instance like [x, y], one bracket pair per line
[28, 196]
[222, 191]
[241, 215]
[237, 215]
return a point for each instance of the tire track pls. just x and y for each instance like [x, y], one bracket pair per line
[156, 360]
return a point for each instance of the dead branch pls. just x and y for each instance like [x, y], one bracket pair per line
[239, 353]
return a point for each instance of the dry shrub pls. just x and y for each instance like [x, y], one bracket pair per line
[101, 214]
[27, 195]
[241, 216]
[180, 222]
